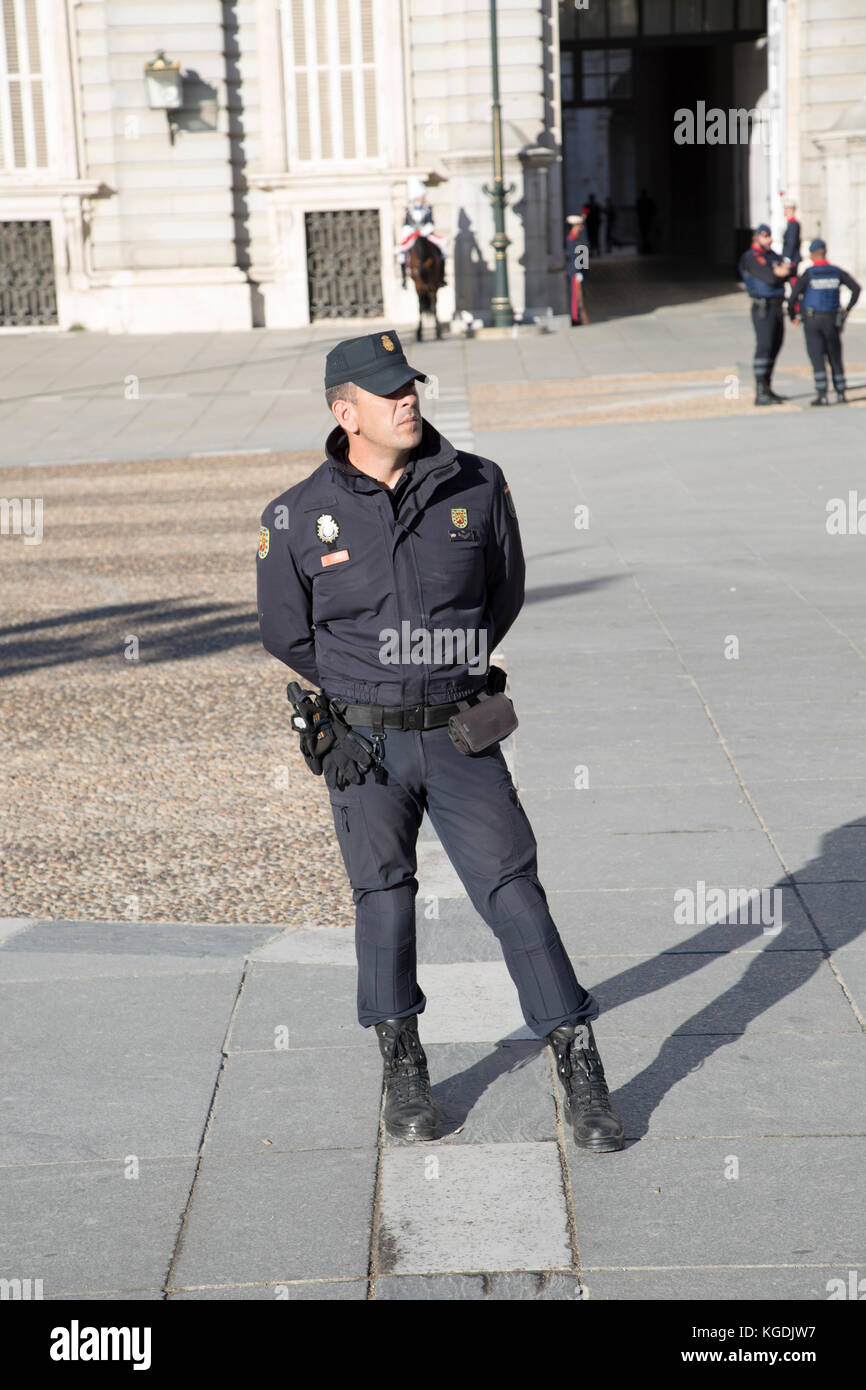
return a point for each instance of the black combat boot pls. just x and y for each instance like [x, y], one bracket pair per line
[841, 398]
[763, 394]
[820, 399]
[595, 1123]
[777, 400]
[409, 1109]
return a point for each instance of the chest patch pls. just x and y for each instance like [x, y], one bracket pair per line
[327, 528]
[459, 517]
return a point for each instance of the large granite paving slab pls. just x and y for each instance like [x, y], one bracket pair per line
[279, 1216]
[473, 1207]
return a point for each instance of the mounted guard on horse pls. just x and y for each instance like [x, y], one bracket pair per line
[422, 251]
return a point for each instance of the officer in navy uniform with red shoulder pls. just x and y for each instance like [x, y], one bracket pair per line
[815, 301]
[385, 578]
[791, 239]
[765, 272]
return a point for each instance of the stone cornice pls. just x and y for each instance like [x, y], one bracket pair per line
[11, 187]
[837, 141]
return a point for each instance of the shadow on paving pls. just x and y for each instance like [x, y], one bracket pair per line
[621, 286]
[109, 388]
[167, 630]
[543, 593]
[768, 979]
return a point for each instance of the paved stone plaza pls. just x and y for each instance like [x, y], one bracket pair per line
[191, 1109]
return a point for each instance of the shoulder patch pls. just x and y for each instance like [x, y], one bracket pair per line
[509, 501]
[264, 542]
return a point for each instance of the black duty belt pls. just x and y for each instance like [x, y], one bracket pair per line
[397, 717]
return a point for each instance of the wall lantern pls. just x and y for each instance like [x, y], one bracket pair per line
[164, 88]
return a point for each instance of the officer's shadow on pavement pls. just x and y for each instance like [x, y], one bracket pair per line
[456, 1098]
[768, 977]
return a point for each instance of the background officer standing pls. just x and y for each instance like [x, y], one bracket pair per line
[815, 296]
[576, 266]
[399, 532]
[791, 239]
[765, 273]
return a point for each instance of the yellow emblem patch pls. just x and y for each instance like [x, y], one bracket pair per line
[459, 517]
[264, 541]
[388, 343]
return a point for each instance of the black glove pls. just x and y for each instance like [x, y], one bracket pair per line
[350, 757]
[841, 316]
[313, 722]
[496, 679]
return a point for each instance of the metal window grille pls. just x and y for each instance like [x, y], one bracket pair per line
[344, 255]
[27, 291]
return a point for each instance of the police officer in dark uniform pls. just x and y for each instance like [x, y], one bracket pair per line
[791, 239]
[397, 534]
[815, 298]
[764, 273]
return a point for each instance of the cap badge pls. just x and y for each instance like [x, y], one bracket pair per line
[388, 343]
[326, 528]
[459, 517]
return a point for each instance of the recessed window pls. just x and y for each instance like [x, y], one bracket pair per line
[718, 14]
[566, 75]
[688, 16]
[606, 74]
[657, 17]
[622, 18]
[751, 14]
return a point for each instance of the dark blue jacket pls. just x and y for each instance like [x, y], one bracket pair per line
[818, 289]
[755, 267]
[441, 552]
[791, 241]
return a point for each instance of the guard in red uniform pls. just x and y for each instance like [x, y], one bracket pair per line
[576, 266]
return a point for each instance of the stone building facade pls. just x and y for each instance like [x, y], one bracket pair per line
[275, 193]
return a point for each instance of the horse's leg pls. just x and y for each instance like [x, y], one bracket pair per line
[435, 316]
[420, 333]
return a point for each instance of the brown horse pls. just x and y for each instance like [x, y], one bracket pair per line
[426, 265]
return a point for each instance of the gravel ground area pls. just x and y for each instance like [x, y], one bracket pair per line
[635, 397]
[167, 786]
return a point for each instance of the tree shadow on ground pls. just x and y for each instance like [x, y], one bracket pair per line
[172, 629]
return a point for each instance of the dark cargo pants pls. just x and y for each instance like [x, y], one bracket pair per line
[823, 339]
[474, 809]
[769, 333]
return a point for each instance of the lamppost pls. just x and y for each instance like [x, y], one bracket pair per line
[502, 314]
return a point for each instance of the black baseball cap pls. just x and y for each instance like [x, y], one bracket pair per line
[375, 362]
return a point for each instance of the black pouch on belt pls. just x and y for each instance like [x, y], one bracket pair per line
[478, 726]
